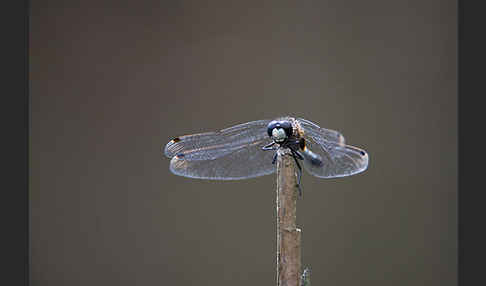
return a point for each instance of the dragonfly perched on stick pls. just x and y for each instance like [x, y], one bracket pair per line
[244, 151]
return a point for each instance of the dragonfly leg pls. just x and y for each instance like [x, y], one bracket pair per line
[296, 155]
[269, 147]
[274, 158]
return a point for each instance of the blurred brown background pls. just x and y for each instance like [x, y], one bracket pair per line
[113, 81]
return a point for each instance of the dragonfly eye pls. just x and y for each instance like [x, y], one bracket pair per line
[278, 134]
[284, 124]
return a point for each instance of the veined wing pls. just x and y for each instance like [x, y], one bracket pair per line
[211, 145]
[333, 158]
[319, 134]
[230, 154]
[246, 161]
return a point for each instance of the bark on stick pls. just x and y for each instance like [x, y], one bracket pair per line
[288, 235]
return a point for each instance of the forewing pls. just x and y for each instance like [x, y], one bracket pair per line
[336, 158]
[230, 154]
[211, 145]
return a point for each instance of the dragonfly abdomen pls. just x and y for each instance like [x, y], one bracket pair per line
[312, 157]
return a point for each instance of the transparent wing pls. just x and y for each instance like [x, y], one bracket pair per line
[230, 154]
[328, 159]
[319, 134]
[246, 161]
[210, 145]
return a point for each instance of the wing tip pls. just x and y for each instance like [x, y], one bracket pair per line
[165, 149]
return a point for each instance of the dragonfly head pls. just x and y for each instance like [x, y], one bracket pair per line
[279, 131]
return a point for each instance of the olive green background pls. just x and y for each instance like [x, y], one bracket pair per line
[113, 81]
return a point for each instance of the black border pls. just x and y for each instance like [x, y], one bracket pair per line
[472, 116]
[15, 116]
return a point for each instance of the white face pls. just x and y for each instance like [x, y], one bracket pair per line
[278, 135]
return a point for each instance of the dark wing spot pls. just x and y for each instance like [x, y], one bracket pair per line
[180, 155]
[362, 153]
[175, 140]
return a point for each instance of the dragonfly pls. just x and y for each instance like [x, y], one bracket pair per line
[245, 151]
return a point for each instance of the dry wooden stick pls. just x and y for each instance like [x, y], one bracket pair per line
[288, 235]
